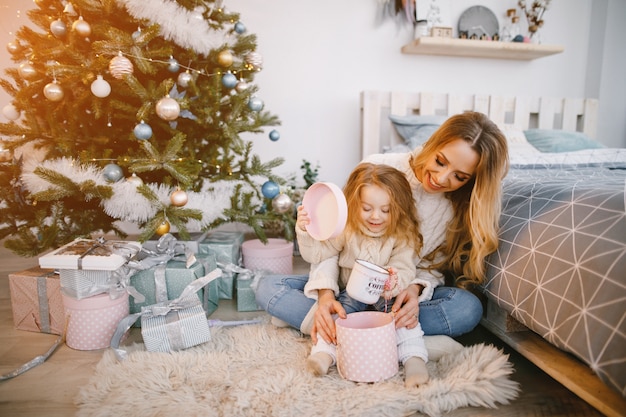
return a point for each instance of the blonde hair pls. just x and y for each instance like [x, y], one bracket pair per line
[473, 231]
[404, 225]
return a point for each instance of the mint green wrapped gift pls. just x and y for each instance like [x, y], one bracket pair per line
[226, 246]
[167, 281]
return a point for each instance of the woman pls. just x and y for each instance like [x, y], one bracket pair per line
[456, 182]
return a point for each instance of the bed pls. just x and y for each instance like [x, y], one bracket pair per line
[556, 288]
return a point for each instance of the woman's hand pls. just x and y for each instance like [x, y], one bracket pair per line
[324, 323]
[302, 219]
[406, 307]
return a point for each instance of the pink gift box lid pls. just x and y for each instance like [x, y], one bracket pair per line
[327, 208]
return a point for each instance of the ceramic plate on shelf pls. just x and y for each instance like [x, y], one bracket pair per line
[327, 209]
[479, 20]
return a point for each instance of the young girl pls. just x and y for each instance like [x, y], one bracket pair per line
[382, 228]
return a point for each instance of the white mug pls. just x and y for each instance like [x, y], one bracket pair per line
[367, 281]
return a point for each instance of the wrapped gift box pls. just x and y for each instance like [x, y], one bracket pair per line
[171, 325]
[36, 301]
[276, 256]
[89, 254]
[226, 246]
[92, 321]
[176, 330]
[82, 283]
[166, 282]
[192, 243]
[246, 301]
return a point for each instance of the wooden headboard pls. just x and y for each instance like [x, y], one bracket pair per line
[520, 113]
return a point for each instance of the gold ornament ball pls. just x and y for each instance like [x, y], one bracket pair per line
[225, 58]
[167, 108]
[179, 198]
[120, 66]
[81, 27]
[53, 91]
[163, 228]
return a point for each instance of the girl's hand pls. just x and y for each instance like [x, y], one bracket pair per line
[406, 307]
[302, 219]
[324, 322]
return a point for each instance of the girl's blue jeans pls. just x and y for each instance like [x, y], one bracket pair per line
[451, 311]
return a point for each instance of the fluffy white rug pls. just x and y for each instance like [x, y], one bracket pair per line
[259, 370]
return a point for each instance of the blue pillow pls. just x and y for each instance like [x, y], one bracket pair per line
[414, 129]
[547, 140]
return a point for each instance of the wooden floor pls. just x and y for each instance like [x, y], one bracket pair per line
[48, 389]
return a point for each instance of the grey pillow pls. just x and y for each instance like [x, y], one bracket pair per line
[414, 129]
[547, 140]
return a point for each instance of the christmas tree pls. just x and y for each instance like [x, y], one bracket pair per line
[133, 111]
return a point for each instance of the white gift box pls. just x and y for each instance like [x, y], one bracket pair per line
[98, 255]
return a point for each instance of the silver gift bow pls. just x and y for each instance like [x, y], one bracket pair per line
[158, 309]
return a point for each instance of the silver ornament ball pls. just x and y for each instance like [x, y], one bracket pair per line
[120, 66]
[179, 198]
[81, 27]
[167, 108]
[53, 91]
[10, 112]
[100, 87]
[184, 78]
[27, 71]
[282, 203]
[58, 28]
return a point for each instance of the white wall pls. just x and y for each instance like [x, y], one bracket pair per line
[318, 56]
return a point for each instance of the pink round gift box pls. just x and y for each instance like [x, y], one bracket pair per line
[275, 256]
[327, 209]
[366, 347]
[92, 321]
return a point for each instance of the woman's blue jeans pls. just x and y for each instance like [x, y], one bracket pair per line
[451, 311]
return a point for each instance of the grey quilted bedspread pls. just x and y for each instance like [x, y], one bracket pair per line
[561, 264]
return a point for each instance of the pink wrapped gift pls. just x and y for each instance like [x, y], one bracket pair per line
[36, 301]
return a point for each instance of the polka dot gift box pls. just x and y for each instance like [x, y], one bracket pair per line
[92, 321]
[366, 347]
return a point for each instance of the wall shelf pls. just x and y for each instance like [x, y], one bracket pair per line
[479, 49]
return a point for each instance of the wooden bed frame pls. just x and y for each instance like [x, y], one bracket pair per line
[518, 113]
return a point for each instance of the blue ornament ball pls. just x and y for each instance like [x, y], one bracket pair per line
[240, 28]
[270, 189]
[112, 172]
[274, 135]
[229, 80]
[142, 131]
[255, 104]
